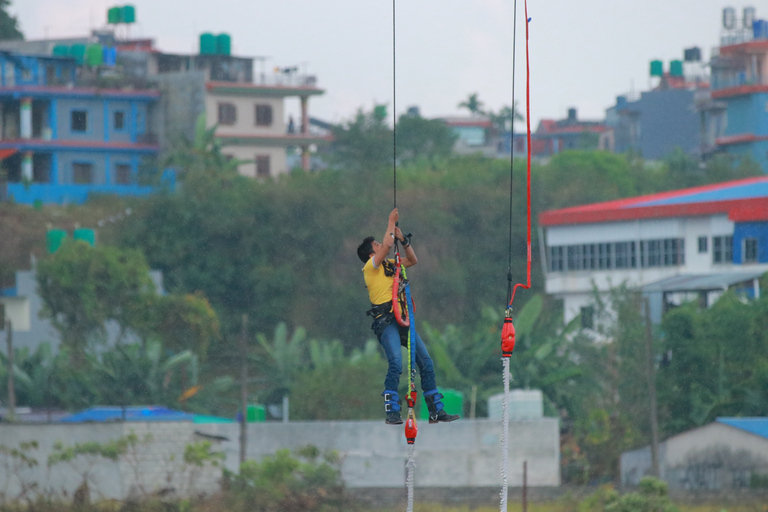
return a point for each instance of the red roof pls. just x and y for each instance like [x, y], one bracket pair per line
[743, 200]
[5, 153]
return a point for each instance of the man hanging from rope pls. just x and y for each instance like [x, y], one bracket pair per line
[379, 279]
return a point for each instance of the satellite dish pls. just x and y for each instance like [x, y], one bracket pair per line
[729, 18]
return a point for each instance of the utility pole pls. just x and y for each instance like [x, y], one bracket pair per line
[651, 389]
[11, 384]
[525, 486]
[243, 388]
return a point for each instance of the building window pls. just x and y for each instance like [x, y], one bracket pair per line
[119, 120]
[588, 317]
[79, 121]
[703, 244]
[41, 174]
[82, 173]
[262, 166]
[667, 252]
[227, 113]
[556, 259]
[263, 115]
[123, 174]
[722, 249]
[604, 256]
[574, 257]
[750, 250]
[625, 255]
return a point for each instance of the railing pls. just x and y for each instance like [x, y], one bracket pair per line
[285, 80]
[737, 80]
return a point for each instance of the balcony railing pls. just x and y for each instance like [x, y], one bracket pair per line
[737, 80]
[285, 80]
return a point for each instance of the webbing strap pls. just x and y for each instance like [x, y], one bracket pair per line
[528, 164]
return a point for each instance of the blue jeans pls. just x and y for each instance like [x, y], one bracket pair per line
[390, 341]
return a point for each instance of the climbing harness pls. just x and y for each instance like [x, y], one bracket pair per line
[508, 329]
[399, 305]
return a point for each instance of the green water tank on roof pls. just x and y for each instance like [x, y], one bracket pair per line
[114, 15]
[676, 68]
[86, 235]
[223, 44]
[78, 52]
[54, 239]
[94, 55]
[129, 14]
[61, 50]
[207, 44]
[657, 68]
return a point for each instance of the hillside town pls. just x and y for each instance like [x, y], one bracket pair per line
[182, 310]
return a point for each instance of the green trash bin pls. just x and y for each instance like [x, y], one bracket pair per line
[453, 403]
[257, 413]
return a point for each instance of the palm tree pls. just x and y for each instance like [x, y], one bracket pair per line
[474, 105]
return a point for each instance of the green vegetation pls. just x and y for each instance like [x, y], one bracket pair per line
[283, 252]
[9, 25]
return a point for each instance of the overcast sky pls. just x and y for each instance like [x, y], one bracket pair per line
[583, 53]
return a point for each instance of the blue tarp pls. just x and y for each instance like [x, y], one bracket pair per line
[134, 413]
[757, 426]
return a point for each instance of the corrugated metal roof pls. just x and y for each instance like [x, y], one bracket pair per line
[726, 193]
[757, 426]
[700, 282]
[749, 195]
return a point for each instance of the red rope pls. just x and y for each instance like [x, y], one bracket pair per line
[528, 128]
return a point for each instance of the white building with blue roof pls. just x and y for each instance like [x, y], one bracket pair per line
[727, 454]
[689, 244]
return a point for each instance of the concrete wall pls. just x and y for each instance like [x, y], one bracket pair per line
[712, 457]
[462, 454]
[278, 160]
[245, 119]
[182, 100]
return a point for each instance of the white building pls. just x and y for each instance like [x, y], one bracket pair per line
[726, 454]
[677, 246]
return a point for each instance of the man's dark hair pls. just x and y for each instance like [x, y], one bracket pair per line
[365, 249]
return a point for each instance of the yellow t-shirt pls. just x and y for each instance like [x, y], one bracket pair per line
[378, 284]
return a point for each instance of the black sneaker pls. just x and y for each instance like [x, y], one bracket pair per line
[393, 418]
[442, 417]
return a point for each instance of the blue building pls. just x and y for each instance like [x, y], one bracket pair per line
[740, 84]
[67, 131]
[660, 120]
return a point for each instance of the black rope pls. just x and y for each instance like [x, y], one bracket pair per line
[394, 108]
[512, 151]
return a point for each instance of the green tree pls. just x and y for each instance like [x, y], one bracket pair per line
[340, 387]
[9, 25]
[419, 138]
[504, 119]
[473, 104]
[82, 287]
[365, 143]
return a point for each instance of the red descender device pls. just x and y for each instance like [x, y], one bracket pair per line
[507, 335]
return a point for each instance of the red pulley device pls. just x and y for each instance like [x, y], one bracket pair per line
[411, 429]
[507, 335]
